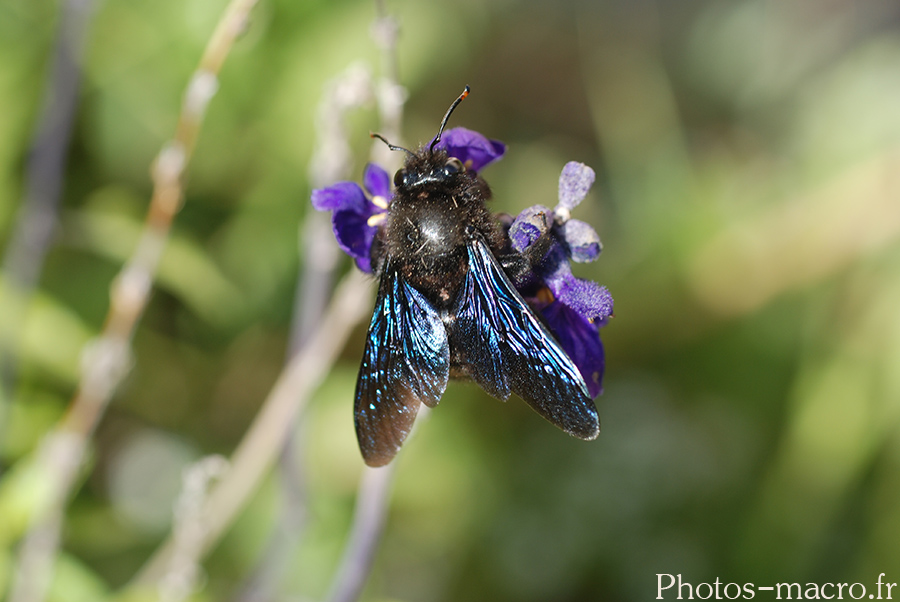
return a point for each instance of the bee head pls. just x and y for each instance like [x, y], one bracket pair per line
[428, 165]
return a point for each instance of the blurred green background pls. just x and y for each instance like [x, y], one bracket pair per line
[748, 197]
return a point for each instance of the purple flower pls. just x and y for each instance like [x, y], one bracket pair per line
[581, 341]
[579, 307]
[473, 149]
[355, 216]
[574, 308]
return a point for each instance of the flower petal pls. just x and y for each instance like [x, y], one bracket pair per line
[364, 264]
[354, 236]
[581, 240]
[575, 181]
[580, 339]
[587, 298]
[470, 147]
[343, 196]
[528, 226]
[377, 181]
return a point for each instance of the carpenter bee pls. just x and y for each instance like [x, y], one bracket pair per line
[447, 308]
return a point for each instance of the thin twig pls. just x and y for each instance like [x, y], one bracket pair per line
[257, 450]
[369, 518]
[331, 162]
[390, 94]
[375, 484]
[108, 358]
[189, 527]
[278, 555]
[37, 218]
[368, 524]
[272, 426]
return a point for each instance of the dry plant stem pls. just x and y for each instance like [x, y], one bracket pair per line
[390, 94]
[331, 162]
[375, 484]
[279, 554]
[369, 518]
[368, 524]
[272, 426]
[44, 174]
[107, 360]
[189, 527]
[265, 437]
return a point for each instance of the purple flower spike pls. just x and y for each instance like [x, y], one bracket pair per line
[575, 181]
[582, 241]
[473, 149]
[529, 226]
[579, 307]
[587, 298]
[353, 210]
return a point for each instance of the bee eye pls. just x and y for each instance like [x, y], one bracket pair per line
[399, 177]
[452, 166]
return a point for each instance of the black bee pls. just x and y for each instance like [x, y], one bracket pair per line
[447, 308]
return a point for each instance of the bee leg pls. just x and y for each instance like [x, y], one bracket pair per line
[517, 267]
[537, 251]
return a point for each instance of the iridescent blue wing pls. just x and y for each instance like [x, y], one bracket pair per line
[507, 348]
[406, 362]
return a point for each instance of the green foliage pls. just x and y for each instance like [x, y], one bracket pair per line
[747, 159]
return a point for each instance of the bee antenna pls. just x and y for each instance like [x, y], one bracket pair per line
[393, 147]
[446, 117]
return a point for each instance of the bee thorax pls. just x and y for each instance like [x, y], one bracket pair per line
[426, 235]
